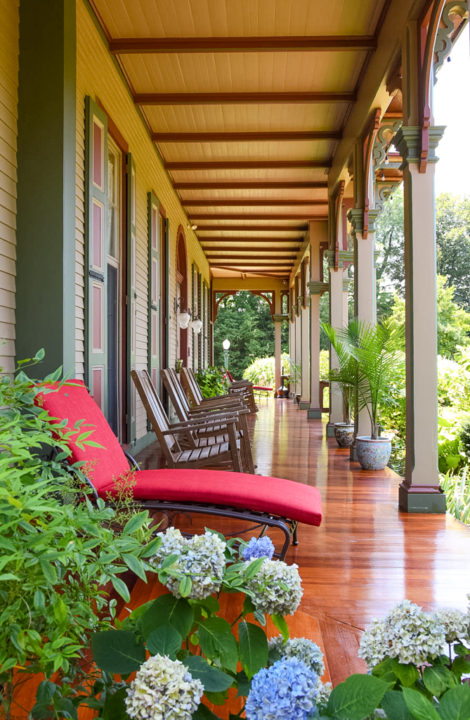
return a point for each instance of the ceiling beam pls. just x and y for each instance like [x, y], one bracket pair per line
[261, 259]
[256, 185]
[246, 202]
[293, 43]
[224, 240]
[256, 228]
[192, 137]
[267, 216]
[257, 263]
[247, 164]
[231, 98]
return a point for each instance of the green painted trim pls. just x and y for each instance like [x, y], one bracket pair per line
[45, 277]
[427, 500]
[304, 405]
[131, 261]
[280, 317]
[330, 430]
[313, 413]
[317, 288]
[408, 143]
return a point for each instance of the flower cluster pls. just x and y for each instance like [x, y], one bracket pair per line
[301, 648]
[276, 588]
[201, 557]
[163, 689]
[285, 690]
[407, 633]
[456, 624]
[258, 547]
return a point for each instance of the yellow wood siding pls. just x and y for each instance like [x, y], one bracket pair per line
[8, 177]
[98, 77]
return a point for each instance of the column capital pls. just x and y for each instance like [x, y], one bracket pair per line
[346, 284]
[317, 288]
[344, 256]
[408, 143]
[280, 318]
[356, 218]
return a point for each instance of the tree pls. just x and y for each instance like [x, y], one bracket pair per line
[453, 323]
[453, 245]
[390, 269]
[245, 319]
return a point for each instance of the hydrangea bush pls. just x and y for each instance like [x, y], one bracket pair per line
[187, 656]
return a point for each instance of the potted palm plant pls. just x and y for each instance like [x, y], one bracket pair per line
[346, 377]
[370, 356]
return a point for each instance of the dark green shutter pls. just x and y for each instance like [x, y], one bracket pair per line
[96, 171]
[155, 301]
[131, 298]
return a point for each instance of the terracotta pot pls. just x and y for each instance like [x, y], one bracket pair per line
[344, 434]
[373, 454]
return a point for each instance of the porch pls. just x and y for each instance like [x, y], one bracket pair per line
[366, 556]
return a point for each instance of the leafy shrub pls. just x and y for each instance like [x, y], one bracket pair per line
[261, 371]
[57, 549]
[465, 438]
[212, 381]
[457, 490]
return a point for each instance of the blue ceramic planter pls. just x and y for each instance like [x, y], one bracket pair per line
[373, 454]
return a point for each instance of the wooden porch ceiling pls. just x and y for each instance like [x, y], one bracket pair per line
[247, 103]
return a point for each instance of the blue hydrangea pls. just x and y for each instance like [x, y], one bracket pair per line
[258, 547]
[300, 648]
[284, 691]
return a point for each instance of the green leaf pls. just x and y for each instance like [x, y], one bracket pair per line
[168, 609]
[114, 706]
[185, 586]
[407, 674]
[356, 697]
[253, 568]
[203, 713]
[164, 640]
[60, 610]
[49, 572]
[134, 564]
[5, 577]
[117, 651]
[151, 547]
[455, 704]
[253, 648]
[460, 666]
[438, 679]
[243, 684]
[135, 522]
[394, 705]
[248, 606]
[419, 706]
[212, 679]
[217, 642]
[121, 588]
[218, 698]
[281, 625]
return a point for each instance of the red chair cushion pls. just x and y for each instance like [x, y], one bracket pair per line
[253, 492]
[72, 401]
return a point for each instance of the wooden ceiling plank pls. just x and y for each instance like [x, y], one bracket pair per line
[258, 263]
[252, 228]
[230, 98]
[265, 216]
[261, 185]
[247, 164]
[226, 240]
[190, 137]
[312, 43]
[246, 202]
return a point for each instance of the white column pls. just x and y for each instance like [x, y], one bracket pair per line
[420, 491]
[365, 293]
[305, 380]
[318, 231]
[277, 354]
[338, 319]
[298, 351]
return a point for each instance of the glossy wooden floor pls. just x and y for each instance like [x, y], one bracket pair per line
[366, 556]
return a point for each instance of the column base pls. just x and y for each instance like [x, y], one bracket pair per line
[330, 430]
[313, 413]
[304, 405]
[421, 499]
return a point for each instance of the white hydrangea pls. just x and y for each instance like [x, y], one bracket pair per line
[456, 624]
[163, 689]
[276, 588]
[407, 633]
[201, 557]
[300, 648]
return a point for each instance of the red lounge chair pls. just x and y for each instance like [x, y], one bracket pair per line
[268, 501]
